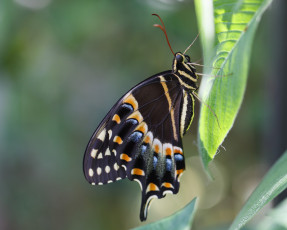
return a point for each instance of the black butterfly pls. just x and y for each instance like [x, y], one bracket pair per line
[141, 136]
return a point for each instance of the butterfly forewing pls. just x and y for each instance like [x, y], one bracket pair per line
[140, 138]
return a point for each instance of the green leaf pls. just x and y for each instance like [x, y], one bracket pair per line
[181, 220]
[204, 11]
[235, 26]
[273, 183]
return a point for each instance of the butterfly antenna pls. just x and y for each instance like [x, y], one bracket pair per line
[195, 94]
[208, 75]
[162, 27]
[196, 64]
[191, 44]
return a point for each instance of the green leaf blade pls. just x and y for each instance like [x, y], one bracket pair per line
[272, 184]
[181, 220]
[235, 26]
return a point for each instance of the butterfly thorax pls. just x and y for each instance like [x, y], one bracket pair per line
[185, 72]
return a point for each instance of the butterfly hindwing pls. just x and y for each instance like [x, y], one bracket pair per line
[140, 138]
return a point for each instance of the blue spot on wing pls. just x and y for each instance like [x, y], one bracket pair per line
[168, 164]
[136, 136]
[132, 121]
[155, 160]
[143, 149]
[178, 157]
[128, 106]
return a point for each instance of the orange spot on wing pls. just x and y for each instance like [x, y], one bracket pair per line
[137, 171]
[167, 185]
[132, 101]
[177, 150]
[179, 171]
[125, 157]
[118, 140]
[136, 115]
[152, 187]
[142, 127]
[147, 139]
[168, 152]
[116, 118]
[156, 148]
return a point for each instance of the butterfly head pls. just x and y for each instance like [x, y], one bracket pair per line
[183, 68]
[181, 57]
[181, 60]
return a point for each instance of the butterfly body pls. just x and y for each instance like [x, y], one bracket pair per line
[141, 136]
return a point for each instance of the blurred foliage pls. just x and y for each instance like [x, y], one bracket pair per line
[273, 183]
[181, 220]
[62, 66]
[275, 219]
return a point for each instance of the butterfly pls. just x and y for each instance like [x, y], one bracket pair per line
[141, 136]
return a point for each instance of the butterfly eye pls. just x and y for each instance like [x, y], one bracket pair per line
[187, 58]
[179, 58]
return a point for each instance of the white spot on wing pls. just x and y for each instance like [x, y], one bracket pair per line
[107, 153]
[91, 172]
[150, 135]
[180, 175]
[94, 153]
[107, 169]
[137, 180]
[177, 149]
[148, 203]
[167, 146]
[99, 171]
[157, 142]
[116, 167]
[167, 192]
[110, 181]
[110, 132]
[100, 156]
[102, 135]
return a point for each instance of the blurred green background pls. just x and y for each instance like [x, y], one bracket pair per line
[63, 64]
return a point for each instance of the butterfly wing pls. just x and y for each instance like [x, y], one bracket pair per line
[140, 138]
